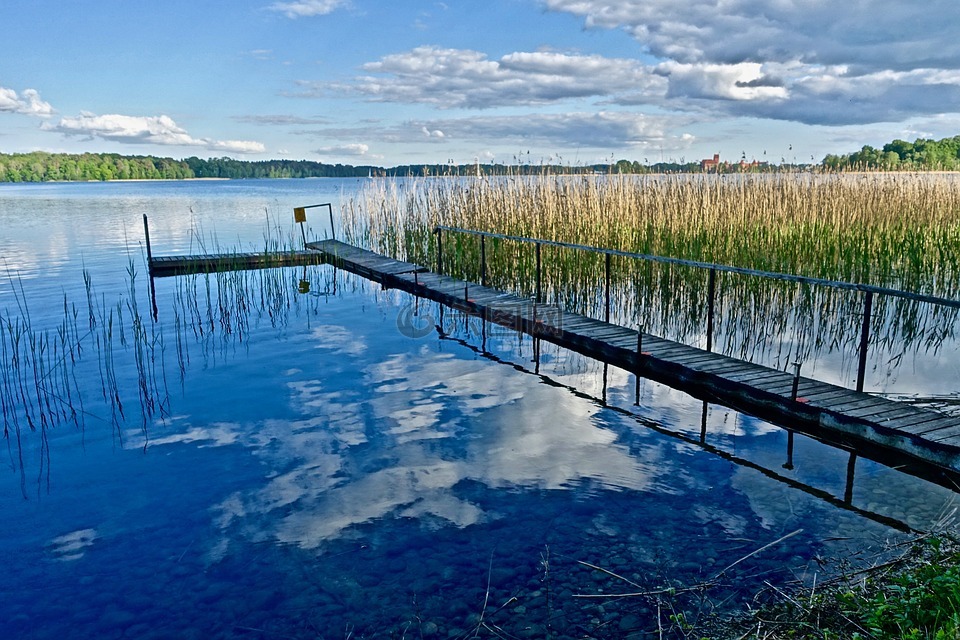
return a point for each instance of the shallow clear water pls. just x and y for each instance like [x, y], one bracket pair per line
[307, 465]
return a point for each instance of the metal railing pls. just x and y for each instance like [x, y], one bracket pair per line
[868, 290]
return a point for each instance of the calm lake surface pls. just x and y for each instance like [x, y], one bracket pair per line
[296, 453]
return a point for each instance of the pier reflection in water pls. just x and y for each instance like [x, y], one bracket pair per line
[322, 472]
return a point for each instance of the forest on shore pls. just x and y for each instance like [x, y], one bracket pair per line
[39, 166]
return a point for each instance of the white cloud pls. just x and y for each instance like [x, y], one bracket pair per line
[29, 103]
[435, 133]
[459, 78]
[344, 150]
[158, 130]
[234, 146]
[307, 8]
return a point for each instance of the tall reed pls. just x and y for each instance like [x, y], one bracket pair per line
[895, 230]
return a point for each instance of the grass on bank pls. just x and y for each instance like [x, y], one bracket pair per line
[914, 596]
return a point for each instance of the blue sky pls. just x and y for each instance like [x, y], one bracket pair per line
[387, 83]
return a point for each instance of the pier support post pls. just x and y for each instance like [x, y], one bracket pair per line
[788, 465]
[606, 368]
[439, 233]
[153, 288]
[146, 235]
[864, 339]
[851, 470]
[703, 423]
[606, 288]
[636, 391]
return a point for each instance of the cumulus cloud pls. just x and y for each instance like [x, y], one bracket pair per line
[875, 33]
[158, 130]
[307, 8]
[27, 103]
[594, 130]
[459, 78]
[811, 61]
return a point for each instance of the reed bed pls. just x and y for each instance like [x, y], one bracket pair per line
[104, 356]
[895, 230]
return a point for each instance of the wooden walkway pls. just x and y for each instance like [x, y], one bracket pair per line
[164, 266]
[839, 414]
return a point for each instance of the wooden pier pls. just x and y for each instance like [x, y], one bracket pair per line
[843, 415]
[835, 413]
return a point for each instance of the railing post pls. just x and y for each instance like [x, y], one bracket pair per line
[606, 288]
[483, 260]
[864, 339]
[439, 233]
[333, 231]
[711, 304]
[538, 273]
[796, 380]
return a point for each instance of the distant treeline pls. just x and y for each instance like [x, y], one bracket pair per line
[921, 154]
[47, 167]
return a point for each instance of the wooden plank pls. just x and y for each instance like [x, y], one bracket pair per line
[667, 351]
[870, 412]
[777, 387]
[603, 334]
[698, 357]
[900, 412]
[856, 401]
[768, 374]
[721, 367]
[932, 425]
[946, 434]
[916, 423]
[825, 392]
[627, 341]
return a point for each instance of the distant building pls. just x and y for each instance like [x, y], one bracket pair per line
[710, 164]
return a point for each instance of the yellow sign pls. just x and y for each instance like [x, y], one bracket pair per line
[299, 214]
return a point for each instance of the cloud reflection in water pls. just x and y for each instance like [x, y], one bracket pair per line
[433, 421]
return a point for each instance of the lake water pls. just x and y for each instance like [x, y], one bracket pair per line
[284, 454]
